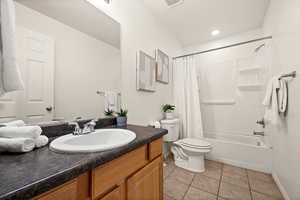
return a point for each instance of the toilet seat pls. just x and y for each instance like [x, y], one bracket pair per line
[194, 143]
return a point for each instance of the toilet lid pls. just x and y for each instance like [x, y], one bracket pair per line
[193, 142]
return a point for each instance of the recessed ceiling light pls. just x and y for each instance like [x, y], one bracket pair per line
[215, 32]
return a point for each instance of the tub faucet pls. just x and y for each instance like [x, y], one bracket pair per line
[259, 133]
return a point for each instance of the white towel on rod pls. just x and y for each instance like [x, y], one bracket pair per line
[282, 96]
[271, 102]
[10, 76]
[111, 101]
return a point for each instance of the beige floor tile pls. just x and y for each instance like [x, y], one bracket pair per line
[175, 189]
[234, 192]
[168, 169]
[263, 187]
[206, 184]
[196, 194]
[166, 197]
[213, 164]
[213, 172]
[232, 170]
[182, 175]
[259, 196]
[241, 181]
[220, 198]
[260, 176]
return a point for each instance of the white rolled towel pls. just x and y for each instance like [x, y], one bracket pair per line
[16, 123]
[41, 141]
[16, 145]
[32, 132]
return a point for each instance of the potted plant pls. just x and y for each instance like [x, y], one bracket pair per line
[109, 113]
[122, 117]
[168, 110]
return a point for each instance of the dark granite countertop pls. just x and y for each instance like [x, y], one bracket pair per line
[23, 176]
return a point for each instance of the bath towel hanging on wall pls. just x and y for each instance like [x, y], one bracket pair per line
[10, 77]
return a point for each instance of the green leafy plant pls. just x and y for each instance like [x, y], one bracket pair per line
[122, 113]
[168, 107]
[108, 112]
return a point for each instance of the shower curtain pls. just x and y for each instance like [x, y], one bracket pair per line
[186, 97]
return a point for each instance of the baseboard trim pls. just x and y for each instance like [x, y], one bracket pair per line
[238, 164]
[280, 186]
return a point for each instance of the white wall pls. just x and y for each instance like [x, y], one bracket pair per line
[141, 31]
[282, 21]
[236, 110]
[82, 65]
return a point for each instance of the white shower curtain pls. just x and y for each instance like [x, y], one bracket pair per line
[186, 97]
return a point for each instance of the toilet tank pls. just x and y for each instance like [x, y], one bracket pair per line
[172, 125]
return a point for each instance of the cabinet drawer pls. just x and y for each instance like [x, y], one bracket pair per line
[68, 191]
[111, 174]
[116, 194]
[155, 148]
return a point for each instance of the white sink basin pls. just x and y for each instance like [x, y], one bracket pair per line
[100, 140]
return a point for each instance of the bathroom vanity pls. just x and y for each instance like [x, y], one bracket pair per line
[129, 172]
[127, 176]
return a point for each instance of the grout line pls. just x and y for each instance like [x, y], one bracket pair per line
[218, 194]
[189, 186]
[249, 184]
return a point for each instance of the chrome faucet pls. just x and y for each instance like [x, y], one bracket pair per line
[259, 133]
[88, 128]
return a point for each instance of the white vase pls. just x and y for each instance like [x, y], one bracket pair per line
[169, 115]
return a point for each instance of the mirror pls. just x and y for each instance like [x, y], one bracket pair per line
[69, 56]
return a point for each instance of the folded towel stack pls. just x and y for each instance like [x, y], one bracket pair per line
[17, 137]
[16, 144]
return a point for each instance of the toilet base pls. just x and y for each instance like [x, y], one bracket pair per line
[192, 163]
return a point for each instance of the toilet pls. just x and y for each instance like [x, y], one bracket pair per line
[188, 152]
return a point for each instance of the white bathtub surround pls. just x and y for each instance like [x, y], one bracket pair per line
[16, 145]
[10, 77]
[32, 132]
[251, 152]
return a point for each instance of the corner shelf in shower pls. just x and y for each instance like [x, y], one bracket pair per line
[218, 102]
[250, 69]
[250, 87]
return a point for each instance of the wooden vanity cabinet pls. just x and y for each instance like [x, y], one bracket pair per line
[137, 175]
[145, 184]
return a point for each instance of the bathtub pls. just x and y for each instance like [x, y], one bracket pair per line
[251, 152]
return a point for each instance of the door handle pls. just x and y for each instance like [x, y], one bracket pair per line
[49, 108]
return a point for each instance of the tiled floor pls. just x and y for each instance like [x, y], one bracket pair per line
[218, 182]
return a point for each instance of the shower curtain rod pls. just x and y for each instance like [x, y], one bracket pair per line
[224, 47]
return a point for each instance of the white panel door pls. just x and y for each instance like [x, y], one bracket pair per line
[37, 67]
[9, 108]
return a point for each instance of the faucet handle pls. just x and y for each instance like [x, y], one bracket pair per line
[77, 130]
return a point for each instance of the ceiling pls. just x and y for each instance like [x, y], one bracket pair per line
[94, 23]
[194, 20]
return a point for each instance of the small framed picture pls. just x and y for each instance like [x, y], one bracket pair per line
[145, 72]
[162, 67]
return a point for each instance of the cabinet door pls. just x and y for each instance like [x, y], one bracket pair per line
[146, 184]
